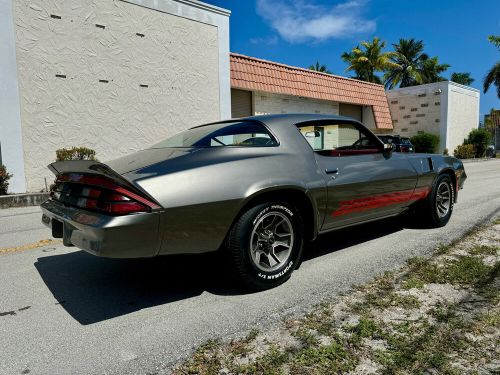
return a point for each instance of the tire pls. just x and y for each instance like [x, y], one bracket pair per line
[257, 244]
[436, 210]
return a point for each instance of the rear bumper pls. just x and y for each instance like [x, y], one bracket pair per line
[130, 236]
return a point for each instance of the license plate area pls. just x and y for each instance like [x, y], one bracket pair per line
[57, 229]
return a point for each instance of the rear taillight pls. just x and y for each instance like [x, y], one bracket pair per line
[97, 193]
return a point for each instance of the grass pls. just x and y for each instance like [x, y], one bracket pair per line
[366, 328]
[333, 358]
[412, 283]
[437, 339]
[466, 270]
[484, 250]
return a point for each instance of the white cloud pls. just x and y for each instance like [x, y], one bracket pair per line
[299, 21]
[268, 41]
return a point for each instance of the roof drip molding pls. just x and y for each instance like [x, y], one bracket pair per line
[249, 73]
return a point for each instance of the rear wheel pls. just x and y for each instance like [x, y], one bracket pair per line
[436, 210]
[266, 243]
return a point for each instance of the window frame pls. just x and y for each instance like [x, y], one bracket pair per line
[359, 126]
[276, 142]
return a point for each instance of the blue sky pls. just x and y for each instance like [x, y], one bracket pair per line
[302, 31]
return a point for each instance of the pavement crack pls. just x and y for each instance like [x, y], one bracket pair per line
[8, 313]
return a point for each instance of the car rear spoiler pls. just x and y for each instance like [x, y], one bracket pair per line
[91, 167]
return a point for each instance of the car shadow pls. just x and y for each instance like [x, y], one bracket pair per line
[93, 289]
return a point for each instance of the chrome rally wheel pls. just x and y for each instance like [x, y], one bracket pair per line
[443, 199]
[271, 241]
[265, 244]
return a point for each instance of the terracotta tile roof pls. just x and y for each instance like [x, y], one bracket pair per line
[254, 74]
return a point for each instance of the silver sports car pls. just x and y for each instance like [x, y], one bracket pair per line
[256, 188]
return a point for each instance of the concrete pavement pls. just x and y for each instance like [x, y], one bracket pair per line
[65, 312]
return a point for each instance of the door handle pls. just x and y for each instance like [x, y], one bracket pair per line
[332, 171]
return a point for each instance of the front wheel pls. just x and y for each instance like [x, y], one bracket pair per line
[266, 244]
[436, 210]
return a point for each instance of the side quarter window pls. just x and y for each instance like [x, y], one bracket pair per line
[339, 139]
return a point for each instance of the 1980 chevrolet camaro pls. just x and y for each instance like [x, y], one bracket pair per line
[256, 188]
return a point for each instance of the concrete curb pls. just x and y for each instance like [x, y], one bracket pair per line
[476, 160]
[22, 200]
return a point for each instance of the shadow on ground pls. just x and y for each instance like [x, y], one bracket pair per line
[93, 289]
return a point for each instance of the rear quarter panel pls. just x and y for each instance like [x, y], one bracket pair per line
[204, 192]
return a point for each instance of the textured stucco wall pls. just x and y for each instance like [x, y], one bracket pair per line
[11, 143]
[463, 114]
[267, 103]
[177, 59]
[416, 109]
[442, 108]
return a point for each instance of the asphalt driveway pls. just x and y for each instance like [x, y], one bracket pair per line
[65, 312]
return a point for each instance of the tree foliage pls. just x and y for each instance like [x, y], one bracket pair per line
[462, 78]
[319, 68]
[425, 142]
[465, 151]
[412, 66]
[480, 139]
[4, 179]
[493, 75]
[368, 58]
[75, 153]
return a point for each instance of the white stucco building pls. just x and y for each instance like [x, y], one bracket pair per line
[115, 76]
[443, 108]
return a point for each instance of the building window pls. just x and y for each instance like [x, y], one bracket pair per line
[394, 102]
[437, 103]
[404, 130]
[437, 120]
[424, 105]
[407, 116]
[394, 121]
[414, 109]
[422, 95]
[402, 107]
[421, 115]
[420, 132]
[413, 122]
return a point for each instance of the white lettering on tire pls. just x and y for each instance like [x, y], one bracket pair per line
[277, 275]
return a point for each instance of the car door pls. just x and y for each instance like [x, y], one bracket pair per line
[363, 182]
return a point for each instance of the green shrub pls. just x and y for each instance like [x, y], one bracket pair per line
[425, 142]
[4, 179]
[464, 151]
[445, 152]
[481, 139]
[75, 153]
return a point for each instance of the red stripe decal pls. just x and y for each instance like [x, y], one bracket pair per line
[380, 200]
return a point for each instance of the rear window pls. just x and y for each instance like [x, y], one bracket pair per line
[236, 134]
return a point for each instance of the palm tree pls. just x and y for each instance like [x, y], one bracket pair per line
[319, 68]
[407, 60]
[462, 78]
[367, 59]
[493, 75]
[431, 70]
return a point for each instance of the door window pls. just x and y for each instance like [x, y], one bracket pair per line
[340, 139]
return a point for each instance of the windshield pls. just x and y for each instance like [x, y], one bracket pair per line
[405, 141]
[241, 134]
